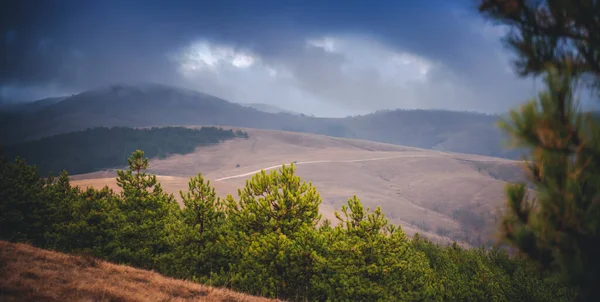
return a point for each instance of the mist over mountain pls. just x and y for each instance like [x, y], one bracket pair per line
[148, 104]
[270, 108]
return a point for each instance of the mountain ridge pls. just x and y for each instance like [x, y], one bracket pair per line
[152, 104]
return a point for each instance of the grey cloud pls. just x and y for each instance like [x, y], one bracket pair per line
[88, 44]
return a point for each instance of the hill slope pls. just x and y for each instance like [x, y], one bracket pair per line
[31, 274]
[444, 194]
[160, 105]
[32, 106]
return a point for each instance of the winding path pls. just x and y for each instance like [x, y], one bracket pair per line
[332, 161]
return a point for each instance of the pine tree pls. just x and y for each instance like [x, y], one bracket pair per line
[95, 225]
[150, 216]
[367, 259]
[200, 250]
[279, 200]
[559, 226]
[21, 190]
[51, 219]
[273, 226]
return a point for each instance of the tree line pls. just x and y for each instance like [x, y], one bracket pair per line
[101, 148]
[269, 240]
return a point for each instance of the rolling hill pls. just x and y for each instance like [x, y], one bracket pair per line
[145, 105]
[31, 274]
[449, 196]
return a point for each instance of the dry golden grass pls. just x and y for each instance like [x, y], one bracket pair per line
[31, 274]
[411, 185]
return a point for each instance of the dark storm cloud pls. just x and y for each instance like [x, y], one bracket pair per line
[75, 45]
[78, 43]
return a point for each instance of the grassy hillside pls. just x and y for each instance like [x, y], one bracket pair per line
[32, 274]
[159, 105]
[419, 189]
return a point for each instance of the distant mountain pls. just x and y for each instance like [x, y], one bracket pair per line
[269, 108]
[130, 106]
[144, 105]
[442, 130]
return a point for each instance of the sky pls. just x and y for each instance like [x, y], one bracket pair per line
[327, 58]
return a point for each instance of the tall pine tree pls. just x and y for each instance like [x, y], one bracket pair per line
[559, 224]
[201, 249]
[273, 226]
[150, 217]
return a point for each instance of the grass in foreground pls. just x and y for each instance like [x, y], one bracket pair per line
[31, 274]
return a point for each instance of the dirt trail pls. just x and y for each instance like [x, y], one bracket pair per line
[334, 161]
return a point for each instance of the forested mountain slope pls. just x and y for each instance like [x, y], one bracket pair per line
[145, 105]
